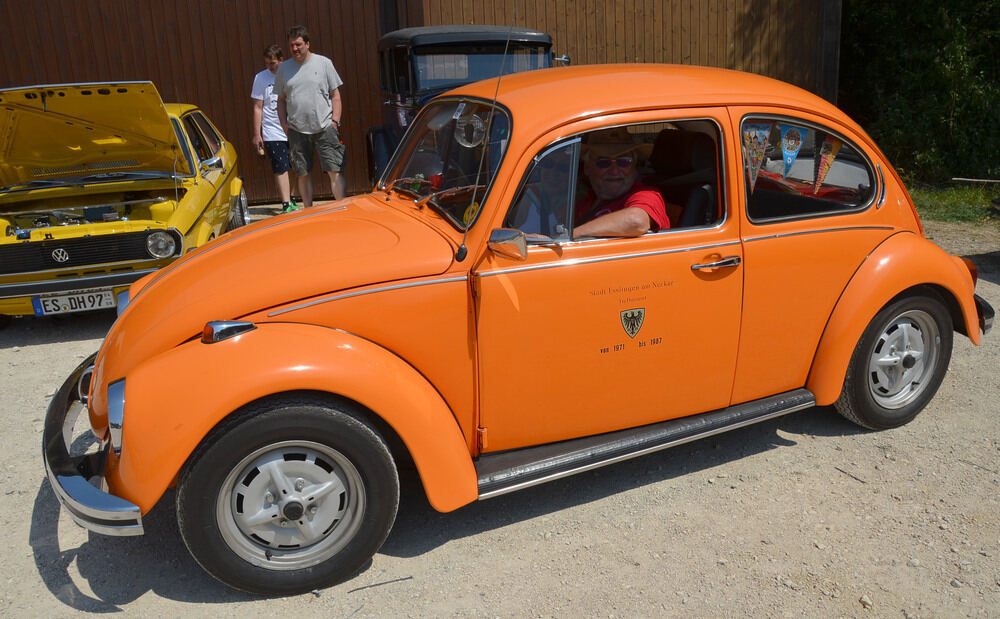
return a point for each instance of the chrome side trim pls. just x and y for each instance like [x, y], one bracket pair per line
[577, 261]
[116, 413]
[821, 231]
[358, 293]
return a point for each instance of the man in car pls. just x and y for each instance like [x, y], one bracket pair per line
[617, 203]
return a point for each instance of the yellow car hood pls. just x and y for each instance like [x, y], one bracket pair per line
[65, 131]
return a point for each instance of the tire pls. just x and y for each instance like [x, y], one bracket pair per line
[239, 213]
[249, 503]
[5, 321]
[898, 365]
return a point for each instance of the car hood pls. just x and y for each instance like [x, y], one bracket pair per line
[78, 130]
[347, 244]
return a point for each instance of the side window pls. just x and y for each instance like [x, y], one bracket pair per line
[212, 138]
[795, 169]
[669, 170]
[197, 140]
[542, 205]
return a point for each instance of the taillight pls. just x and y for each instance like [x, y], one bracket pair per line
[972, 270]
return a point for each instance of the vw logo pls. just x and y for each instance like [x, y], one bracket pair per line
[60, 255]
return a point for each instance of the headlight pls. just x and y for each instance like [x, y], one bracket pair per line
[161, 244]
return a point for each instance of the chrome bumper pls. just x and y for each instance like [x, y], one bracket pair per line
[985, 311]
[68, 286]
[70, 476]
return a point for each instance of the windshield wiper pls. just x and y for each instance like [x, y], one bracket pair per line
[403, 180]
[40, 183]
[117, 176]
[447, 193]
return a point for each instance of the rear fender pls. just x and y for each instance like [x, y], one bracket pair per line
[175, 399]
[902, 262]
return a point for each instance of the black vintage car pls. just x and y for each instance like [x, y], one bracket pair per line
[418, 63]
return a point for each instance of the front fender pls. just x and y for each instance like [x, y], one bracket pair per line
[901, 262]
[174, 399]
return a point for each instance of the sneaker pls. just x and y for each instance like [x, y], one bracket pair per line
[288, 207]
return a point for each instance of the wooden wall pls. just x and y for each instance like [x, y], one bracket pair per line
[206, 52]
[795, 41]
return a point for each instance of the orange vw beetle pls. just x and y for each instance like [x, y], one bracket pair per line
[534, 289]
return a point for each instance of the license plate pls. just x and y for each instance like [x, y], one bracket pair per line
[77, 302]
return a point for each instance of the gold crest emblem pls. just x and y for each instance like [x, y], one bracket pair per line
[632, 320]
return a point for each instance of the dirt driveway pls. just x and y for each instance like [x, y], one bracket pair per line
[802, 516]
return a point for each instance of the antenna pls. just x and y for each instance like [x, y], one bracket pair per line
[463, 251]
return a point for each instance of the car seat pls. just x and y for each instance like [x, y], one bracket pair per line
[683, 164]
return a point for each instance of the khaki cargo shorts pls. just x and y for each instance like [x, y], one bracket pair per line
[332, 152]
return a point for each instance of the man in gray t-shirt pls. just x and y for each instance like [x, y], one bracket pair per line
[309, 109]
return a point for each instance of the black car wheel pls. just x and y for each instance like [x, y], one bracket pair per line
[288, 496]
[898, 365]
[239, 213]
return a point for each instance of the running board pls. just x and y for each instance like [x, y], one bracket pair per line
[511, 470]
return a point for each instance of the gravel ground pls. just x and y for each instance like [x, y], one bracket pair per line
[806, 515]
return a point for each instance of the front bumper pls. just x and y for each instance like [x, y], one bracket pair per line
[985, 311]
[70, 476]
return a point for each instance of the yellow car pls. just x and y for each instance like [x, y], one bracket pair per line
[101, 184]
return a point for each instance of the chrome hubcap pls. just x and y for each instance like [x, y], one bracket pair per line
[291, 505]
[903, 359]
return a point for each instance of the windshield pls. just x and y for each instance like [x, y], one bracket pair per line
[444, 69]
[449, 157]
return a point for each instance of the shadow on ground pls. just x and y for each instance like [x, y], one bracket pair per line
[119, 570]
[988, 266]
[32, 330]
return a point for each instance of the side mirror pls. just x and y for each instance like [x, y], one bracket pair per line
[509, 243]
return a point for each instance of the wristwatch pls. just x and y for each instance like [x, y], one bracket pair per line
[337, 122]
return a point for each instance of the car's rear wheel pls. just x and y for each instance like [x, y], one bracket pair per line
[898, 364]
[288, 496]
[239, 213]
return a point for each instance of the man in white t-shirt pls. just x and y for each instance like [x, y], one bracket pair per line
[309, 110]
[268, 136]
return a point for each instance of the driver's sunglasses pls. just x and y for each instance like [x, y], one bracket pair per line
[605, 162]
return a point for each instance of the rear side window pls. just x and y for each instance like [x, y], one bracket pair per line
[203, 136]
[796, 169]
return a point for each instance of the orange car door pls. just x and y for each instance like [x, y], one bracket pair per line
[597, 335]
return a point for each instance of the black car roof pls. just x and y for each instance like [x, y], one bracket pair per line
[451, 35]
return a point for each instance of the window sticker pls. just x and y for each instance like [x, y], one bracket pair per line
[791, 142]
[828, 150]
[755, 137]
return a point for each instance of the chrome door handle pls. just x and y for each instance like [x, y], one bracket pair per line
[728, 261]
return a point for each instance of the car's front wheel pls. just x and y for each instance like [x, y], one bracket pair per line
[288, 496]
[898, 364]
[239, 213]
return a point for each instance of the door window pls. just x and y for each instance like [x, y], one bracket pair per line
[669, 170]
